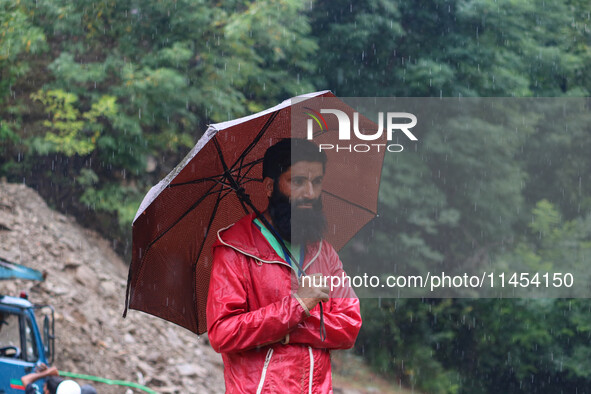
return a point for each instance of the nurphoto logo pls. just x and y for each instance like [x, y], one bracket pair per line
[393, 124]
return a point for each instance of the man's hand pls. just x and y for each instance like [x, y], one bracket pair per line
[311, 295]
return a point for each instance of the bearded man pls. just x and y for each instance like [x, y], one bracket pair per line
[261, 315]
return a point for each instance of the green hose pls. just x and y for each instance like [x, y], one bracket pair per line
[107, 381]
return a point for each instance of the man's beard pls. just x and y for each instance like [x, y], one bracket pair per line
[305, 226]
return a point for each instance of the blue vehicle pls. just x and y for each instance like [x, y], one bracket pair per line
[22, 344]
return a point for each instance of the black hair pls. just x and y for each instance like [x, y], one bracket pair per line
[52, 382]
[287, 152]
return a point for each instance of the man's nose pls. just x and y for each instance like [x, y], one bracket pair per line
[308, 190]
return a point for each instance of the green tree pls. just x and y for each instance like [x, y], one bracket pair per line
[132, 82]
[19, 39]
[453, 48]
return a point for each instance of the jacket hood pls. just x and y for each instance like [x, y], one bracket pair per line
[244, 237]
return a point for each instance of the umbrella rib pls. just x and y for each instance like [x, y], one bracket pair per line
[209, 193]
[200, 180]
[211, 179]
[215, 209]
[227, 193]
[255, 140]
[243, 205]
[244, 176]
[350, 202]
[216, 178]
[211, 218]
[221, 155]
[249, 179]
[228, 175]
[250, 166]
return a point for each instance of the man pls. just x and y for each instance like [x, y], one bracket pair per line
[54, 384]
[262, 317]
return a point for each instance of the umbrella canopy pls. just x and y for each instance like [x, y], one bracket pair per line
[217, 183]
[9, 270]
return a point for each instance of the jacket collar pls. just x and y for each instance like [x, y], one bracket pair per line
[244, 237]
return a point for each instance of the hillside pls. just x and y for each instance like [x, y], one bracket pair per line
[86, 284]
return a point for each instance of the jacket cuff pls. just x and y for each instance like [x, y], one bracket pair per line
[297, 297]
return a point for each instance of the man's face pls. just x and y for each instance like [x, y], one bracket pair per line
[295, 205]
[302, 183]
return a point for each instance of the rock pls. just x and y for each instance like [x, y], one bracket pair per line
[155, 357]
[58, 290]
[191, 370]
[173, 337]
[128, 338]
[140, 378]
[86, 276]
[145, 368]
[108, 288]
[171, 389]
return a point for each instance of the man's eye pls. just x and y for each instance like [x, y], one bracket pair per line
[317, 182]
[297, 182]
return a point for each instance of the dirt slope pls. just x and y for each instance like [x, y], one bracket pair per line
[86, 285]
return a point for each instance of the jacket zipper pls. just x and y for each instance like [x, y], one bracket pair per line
[311, 369]
[315, 256]
[264, 373]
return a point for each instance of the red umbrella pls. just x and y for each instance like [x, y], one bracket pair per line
[218, 182]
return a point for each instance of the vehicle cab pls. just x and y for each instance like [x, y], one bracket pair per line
[22, 344]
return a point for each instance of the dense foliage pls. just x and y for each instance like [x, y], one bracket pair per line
[100, 99]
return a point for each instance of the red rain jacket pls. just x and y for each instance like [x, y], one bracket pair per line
[268, 341]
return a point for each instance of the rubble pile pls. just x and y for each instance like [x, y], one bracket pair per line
[85, 282]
